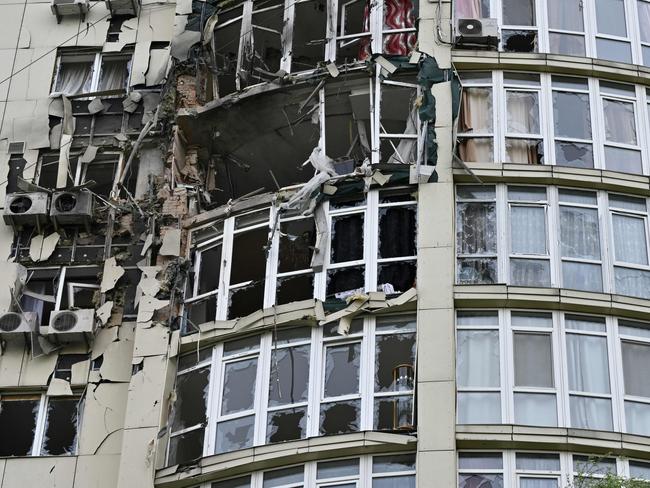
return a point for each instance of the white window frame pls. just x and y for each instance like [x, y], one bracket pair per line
[565, 475]
[559, 333]
[363, 478]
[41, 422]
[260, 411]
[371, 261]
[640, 101]
[96, 59]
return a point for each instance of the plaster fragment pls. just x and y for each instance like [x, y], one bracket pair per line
[59, 387]
[41, 247]
[158, 63]
[148, 305]
[140, 62]
[89, 154]
[130, 103]
[147, 244]
[151, 341]
[332, 69]
[103, 313]
[113, 47]
[96, 106]
[79, 372]
[117, 362]
[112, 273]
[182, 43]
[103, 338]
[183, 7]
[171, 243]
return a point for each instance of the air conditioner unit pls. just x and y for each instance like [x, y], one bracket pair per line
[477, 32]
[71, 325]
[23, 209]
[69, 7]
[123, 7]
[72, 208]
[15, 325]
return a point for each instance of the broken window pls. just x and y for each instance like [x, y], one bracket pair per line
[261, 51]
[49, 167]
[39, 293]
[394, 374]
[64, 364]
[476, 239]
[226, 49]
[572, 122]
[61, 425]
[100, 173]
[309, 36]
[295, 249]
[91, 72]
[566, 27]
[187, 423]
[475, 125]
[36, 425]
[524, 143]
[299, 380]
[78, 287]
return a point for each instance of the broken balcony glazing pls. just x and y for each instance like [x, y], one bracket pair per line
[275, 387]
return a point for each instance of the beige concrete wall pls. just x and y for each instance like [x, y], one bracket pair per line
[436, 388]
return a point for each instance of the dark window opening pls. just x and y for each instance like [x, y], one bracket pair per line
[39, 294]
[287, 425]
[397, 232]
[520, 41]
[295, 288]
[246, 300]
[61, 427]
[186, 447]
[347, 238]
[297, 241]
[16, 168]
[308, 47]
[340, 418]
[395, 413]
[191, 399]
[64, 364]
[399, 276]
[248, 261]
[17, 424]
[198, 313]
[210, 269]
[345, 280]
[49, 168]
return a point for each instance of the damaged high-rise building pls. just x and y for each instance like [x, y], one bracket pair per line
[324, 243]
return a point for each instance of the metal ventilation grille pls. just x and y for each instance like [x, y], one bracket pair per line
[66, 202]
[64, 321]
[16, 148]
[470, 27]
[10, 322]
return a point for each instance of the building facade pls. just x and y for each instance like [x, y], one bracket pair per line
[318, 243]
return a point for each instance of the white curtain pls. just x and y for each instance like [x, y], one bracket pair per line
[478, 358]
[523, 112]
[643, 9]
[579, 233]
[527, 230]
[633, 282]
[535, 409]
[587, 363]
[565, 15]
[530, 272]
[637, 418]
[582, 276]
[468, 9]
[113, 75]
[620, 125]
[636, 365]
[479, 408]
[629, 239]
[74, 78]
[591, 413]
[476, 118]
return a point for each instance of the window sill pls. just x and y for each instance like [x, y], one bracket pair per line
[556, 63]
[594, 179]
[577, 440]
[276, 455]
[475, 296]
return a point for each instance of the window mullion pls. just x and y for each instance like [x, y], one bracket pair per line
[226, 260]
[642, 124]
[315, 387]
[287, 35]
[615, 374]
[546, 103]
[507, 368]
[370, 238]
[561, 371]
[262, 389]
[553, 222]
[500, 116]
[215, 390]
[598, 124]
[366, 388]
[97, 66]
[270, 278]
[503, 234]
[39, 431]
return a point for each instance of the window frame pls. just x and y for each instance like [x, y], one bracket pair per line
[318, 341]
[97, 59]
[560, 332]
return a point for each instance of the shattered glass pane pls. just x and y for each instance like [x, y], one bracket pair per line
[340, 417]
[60, 435]
[262, 59]
[342, 364]
[519, 41]
[198, 313]
[582, 276]
[394, 413]
[571, 115]
[295, 288]
[102, 174]
[331, 330]
[209, 273]
[337, 469]
[239, 386]
[308, 47]
[238, 346]
[226, 42]
[297, 240]
[289, 379]
[282, 477]
[186, 447]
[477, 270]
[394, 482]
[620, 124]
[17, 424]
[393, 463]
[633, 282]
[246, 300]
[530, 272]
[392, 353]
[347, 238]
[575, 154]
[397, 231]
[476, 149]
[397, 277]
[476, 228]
[344, 280]
[192, 359]
[243, 482]
[235, 434]
[191, 398]
[248, 256]
[294, 334]
[287, 425]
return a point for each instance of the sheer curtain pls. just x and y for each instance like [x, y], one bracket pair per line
[579, 233]
[523, 118]
[538, 483]
[588, 373]
[620, 125]
[629, 239]
[527, 230]
[643, 9]
[565, 15]
[113, 75]
[478, 358]
[74, 78]
[469, 9]
[476, 117]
